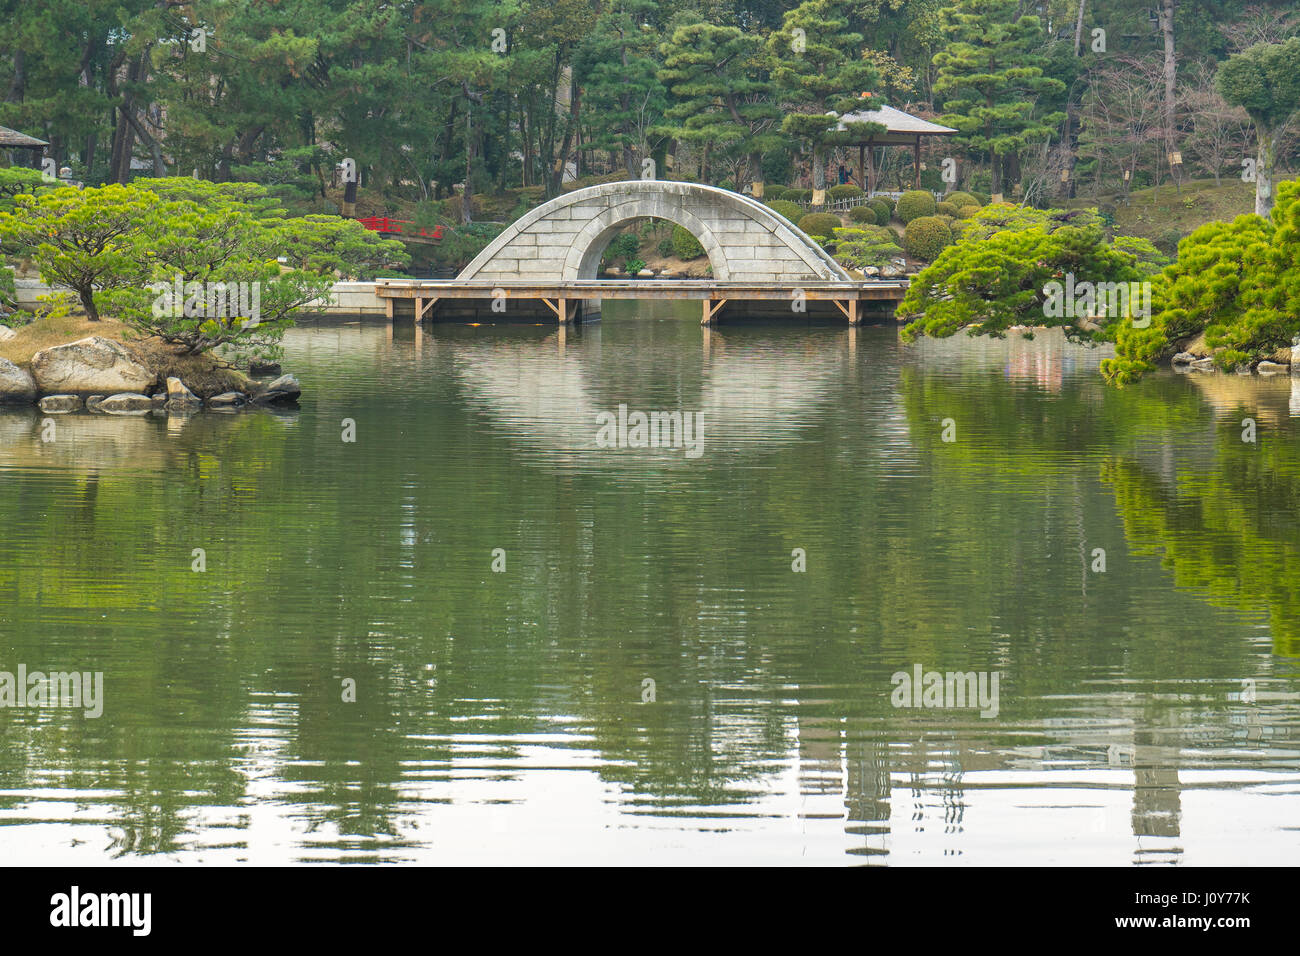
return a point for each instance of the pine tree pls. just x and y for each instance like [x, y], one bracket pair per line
[990, 77]
[722, 97]
[818, 66]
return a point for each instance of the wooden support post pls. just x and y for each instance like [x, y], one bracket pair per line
[862, 179]
[388, 308]
[710, 310]
[421, 309]
[916, 162]
[870, 187]
[561, 309]
[850, 309]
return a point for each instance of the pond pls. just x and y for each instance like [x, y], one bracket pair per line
[435, 615]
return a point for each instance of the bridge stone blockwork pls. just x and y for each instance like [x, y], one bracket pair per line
[564, 238]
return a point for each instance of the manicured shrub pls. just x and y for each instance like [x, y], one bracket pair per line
[865, 214]
[821, 224]
[844, 191]
[861, 247]
[774, 192]
[915, 203]
[685, 245]
[984, 198]
[926, 237]
[785, 208]
[965, 212]
[959, 198]
[623, 246]
[884, 210]
[945, 209]
[798, 195]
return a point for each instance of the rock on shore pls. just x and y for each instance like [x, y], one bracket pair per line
[16, 384]
[93, 365]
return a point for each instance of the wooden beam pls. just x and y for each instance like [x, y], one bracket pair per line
[710, 309]
[561, 309]
[421, 309]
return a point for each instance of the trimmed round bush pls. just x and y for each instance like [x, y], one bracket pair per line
[844, 191]
[884, 210]
[915, 203]
[774, 192]
[821, 224]
[865, 213]
[785, 208]
[965, 212]
[685, 245]
[983, 198]
[624, 246]
[798, 195]
[945, 209]
[959, 199]
[926, 237]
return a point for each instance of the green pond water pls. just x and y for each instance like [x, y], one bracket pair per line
[648, 679]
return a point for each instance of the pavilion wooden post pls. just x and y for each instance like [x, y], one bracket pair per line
[871, 169]
[862, 178]
[916, 161]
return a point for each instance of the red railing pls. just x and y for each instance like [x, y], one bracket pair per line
[400, 226]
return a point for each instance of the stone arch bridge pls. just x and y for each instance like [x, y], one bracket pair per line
[553, 252]
[565, 238]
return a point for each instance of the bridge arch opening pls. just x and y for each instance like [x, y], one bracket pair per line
[589, 245]
[589, 266]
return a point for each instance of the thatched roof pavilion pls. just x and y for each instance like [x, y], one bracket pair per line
[901, 129]
[12, 139]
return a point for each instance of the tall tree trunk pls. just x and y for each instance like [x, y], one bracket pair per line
[1166, 17]
[1264, 173]
[18, 86]
[556, 176]
[467, 194]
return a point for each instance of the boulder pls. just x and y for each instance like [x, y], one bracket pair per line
[90, 366]
[227, 400]
[283, 389]
[126, 403]
[58, 404]
[6, 333]
[92, 402]
[645, 274]
[263, 368]
[871, 271]
[1204, 364]
[1184, 358]
[1272, 368]
[16, 384]
[180, 398]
